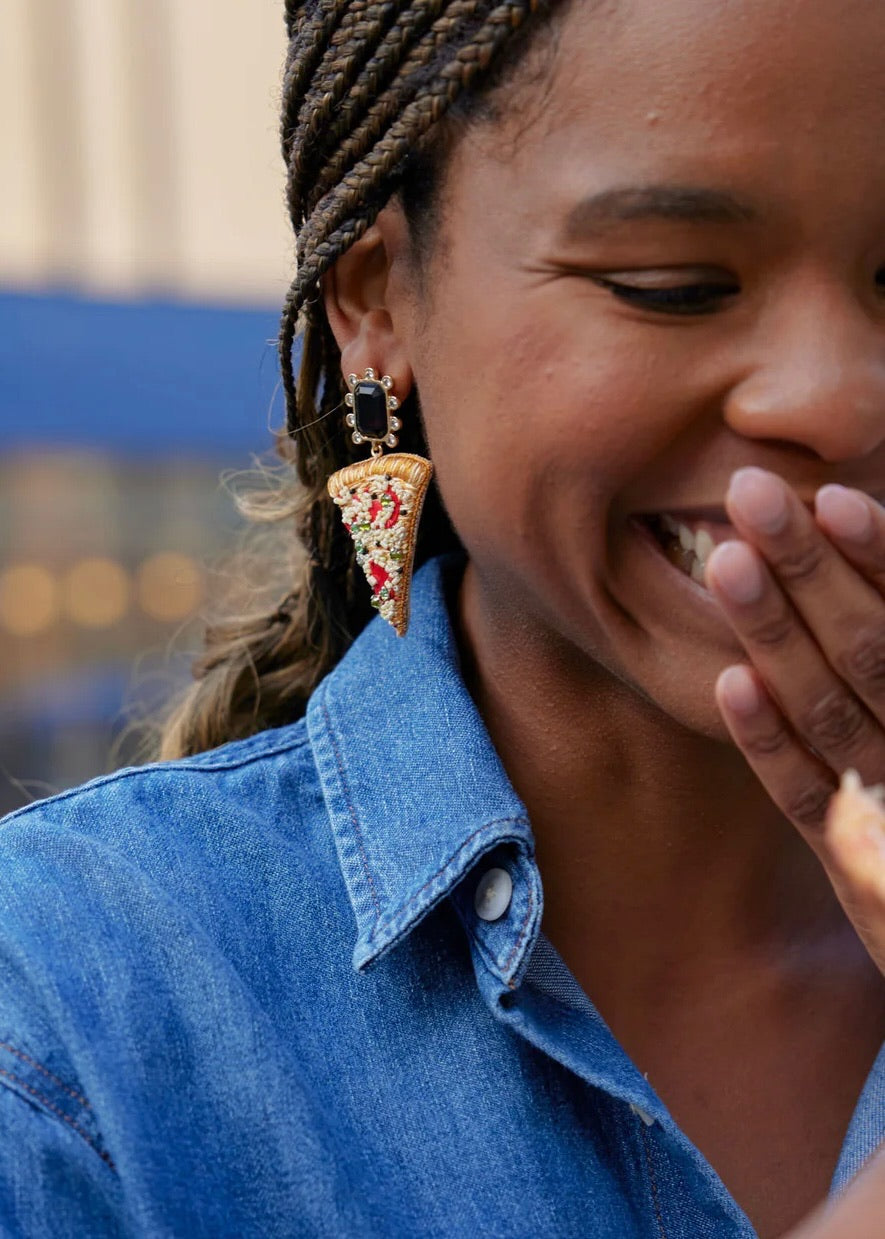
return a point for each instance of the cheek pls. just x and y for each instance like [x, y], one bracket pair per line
[535, 425]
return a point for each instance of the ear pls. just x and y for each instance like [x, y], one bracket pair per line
[356, 296]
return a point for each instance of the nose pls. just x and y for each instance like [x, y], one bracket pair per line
[817, 379]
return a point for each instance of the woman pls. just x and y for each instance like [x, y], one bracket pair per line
[629, 258]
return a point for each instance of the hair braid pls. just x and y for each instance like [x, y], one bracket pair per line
[365, 87]
[330, 230]
[309, 32]
[355, 86]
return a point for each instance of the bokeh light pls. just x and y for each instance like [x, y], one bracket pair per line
[29, 601]
[170, 586]
[95, 592]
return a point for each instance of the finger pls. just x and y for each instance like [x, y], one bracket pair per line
[856, 842]
[856, 1214]
[855, 522]
[854, 857]
[839, 606]
[822, 710]
[798, 782]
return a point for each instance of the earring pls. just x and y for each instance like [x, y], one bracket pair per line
[381, 498]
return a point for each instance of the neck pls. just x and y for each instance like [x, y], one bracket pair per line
[651, 839]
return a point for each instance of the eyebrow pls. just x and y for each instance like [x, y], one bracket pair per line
[683, 203]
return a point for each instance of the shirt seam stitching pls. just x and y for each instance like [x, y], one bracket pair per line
[523, 932]
[26, 1058]
[653, 1180]
[8, 1075]
[339, 765]
[404, 909]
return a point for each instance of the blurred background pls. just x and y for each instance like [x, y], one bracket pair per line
[144, 253]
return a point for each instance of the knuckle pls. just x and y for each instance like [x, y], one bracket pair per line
[800, 565]
[808, 807]
[836, 721]
[773, 631]
[767, 743]
[865, 660]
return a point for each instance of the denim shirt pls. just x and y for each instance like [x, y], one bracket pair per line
[250, 994]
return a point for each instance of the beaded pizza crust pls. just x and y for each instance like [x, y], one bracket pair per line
[381, 500]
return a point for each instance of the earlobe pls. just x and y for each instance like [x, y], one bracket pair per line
[355, 299]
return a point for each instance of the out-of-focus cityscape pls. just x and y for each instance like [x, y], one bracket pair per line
[144, 252]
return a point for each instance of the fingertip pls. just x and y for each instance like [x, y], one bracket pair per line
[844, 513]
[737, 691]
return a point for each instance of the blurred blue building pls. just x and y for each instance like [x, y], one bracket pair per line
[117, 421]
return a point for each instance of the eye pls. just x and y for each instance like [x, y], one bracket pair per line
[880, 278]
[699, 297]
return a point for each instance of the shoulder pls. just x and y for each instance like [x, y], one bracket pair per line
[263, 749]
[153, 812]
[158, 928]
[212, 860]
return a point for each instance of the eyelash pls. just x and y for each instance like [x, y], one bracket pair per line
[681, 299]
[685, 299]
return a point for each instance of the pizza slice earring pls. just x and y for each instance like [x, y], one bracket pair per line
[381, 498]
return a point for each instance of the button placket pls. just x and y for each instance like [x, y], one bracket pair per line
[514, 900]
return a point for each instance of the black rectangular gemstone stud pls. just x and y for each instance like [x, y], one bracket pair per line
[371, 407]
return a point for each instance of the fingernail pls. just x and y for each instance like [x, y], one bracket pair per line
[738, 690]
[844, 513]
[760, 499]
[735, 569]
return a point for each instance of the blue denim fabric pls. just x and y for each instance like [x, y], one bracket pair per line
[247, 994]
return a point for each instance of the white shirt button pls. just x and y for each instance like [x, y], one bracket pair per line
[493, 895]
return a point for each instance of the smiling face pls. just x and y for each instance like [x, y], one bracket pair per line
[664, 262]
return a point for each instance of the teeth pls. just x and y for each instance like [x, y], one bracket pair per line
[691, 550]
[703, 545]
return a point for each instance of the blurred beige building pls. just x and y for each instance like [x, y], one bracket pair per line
[143, 222]
[138, 147]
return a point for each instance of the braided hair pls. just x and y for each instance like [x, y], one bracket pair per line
[370, 88]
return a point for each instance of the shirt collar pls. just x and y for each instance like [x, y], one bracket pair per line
[415, 792]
